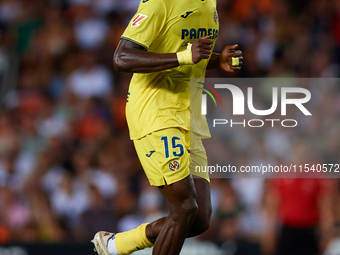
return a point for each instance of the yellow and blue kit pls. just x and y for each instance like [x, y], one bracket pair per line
[159, 106]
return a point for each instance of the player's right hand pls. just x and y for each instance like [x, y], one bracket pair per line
[201, 49]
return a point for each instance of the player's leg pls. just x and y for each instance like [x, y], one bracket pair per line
[181, 200]
[145, 235]
[202, 219]
[198, 157]
[150, 150]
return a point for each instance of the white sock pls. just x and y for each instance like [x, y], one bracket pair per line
[111, 246]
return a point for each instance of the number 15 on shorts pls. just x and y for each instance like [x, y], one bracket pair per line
[177, 148]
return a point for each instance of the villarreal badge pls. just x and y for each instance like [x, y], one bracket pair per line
[216, 17]
[173, 165]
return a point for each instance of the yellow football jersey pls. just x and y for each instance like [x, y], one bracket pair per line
[162, 99]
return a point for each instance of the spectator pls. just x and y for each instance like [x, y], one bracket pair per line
[63, 135]
[90, 79]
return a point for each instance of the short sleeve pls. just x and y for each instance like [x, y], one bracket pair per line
[147, 23]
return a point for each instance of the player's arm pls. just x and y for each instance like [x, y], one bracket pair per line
[224, 60]
[132, 57]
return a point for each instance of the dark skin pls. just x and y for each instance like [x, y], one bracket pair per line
[188, 200]
[202, 219]
[133, 58]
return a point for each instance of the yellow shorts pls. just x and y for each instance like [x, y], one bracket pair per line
[167, 155]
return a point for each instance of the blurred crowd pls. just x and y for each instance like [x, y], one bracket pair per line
[67, 166]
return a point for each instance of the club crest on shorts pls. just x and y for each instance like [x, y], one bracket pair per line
[173, 165]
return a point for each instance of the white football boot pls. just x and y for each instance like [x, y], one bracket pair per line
[101, 241]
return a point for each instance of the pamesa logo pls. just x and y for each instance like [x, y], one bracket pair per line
[239, 99]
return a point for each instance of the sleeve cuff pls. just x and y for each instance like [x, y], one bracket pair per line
[140, 44]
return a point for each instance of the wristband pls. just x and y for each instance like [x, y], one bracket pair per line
[235, 61]
[185, 57]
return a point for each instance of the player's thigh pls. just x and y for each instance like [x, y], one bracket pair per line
[181, 196]
[164, 156]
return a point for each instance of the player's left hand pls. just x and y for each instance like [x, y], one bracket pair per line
[226, 58]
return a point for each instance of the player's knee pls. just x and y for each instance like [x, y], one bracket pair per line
[202, 221]
[203, 226]
[206, 219]
[189, 208]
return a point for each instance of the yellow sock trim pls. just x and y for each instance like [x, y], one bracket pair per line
[132, 240]
[146, 241]
[185, 57]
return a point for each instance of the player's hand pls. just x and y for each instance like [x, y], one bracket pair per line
[201, 49]
[226, 58]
